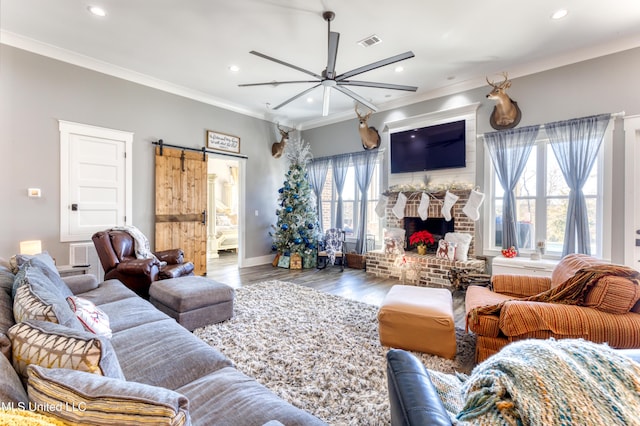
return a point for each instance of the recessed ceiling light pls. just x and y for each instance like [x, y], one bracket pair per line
[399, 68]
[309, 100]
[97, 10]
[234, 68]
[559, 14]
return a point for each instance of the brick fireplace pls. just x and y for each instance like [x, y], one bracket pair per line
[427, 270]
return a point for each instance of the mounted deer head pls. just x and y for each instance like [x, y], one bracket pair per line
[369, 135]
[278, 147]
[506, 114]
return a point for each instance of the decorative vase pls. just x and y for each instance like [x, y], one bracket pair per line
[422, 250]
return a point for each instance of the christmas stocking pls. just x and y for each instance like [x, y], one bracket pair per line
[398, 209]
[423, 208]
[471, 209]
[381, 206]
[449, 200]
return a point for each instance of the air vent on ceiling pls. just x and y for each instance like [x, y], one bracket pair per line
[370, 41]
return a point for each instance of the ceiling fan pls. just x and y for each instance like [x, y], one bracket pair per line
[328, 78]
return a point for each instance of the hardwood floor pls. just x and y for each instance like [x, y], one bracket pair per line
[353, 284]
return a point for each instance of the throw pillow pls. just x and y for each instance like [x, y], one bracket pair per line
[92, 318]
[38, 297]
[462, 242]
[95, 400]
[54, 282]
[18, 260]
[616, 295]
[28, 418]
[55, 346]
[446, 250]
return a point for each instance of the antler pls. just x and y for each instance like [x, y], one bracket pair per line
[505, 84]
[367, 115]
[282, 131]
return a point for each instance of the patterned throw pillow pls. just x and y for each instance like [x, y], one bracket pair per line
[92, 318]
[89, 399]
[38, 297]
[54, 346]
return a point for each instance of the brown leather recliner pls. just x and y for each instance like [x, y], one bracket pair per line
[116, 252]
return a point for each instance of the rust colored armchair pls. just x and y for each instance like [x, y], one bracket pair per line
[117, 256]
[610, 312]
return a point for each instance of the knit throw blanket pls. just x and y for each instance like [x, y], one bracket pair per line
[549, 382]
[571, 292]
[141, 246]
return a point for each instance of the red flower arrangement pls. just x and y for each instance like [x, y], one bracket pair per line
[421, 238]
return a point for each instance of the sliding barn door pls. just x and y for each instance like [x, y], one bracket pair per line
[181, 203]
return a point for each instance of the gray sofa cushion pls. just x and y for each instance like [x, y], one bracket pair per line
[108, 291]
[11, 391]
[130, 312]
[162, 353]
[6, 310]
[105, 401]
[239, 400]
[6, 280]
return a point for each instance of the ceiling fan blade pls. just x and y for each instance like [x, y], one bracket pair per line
[374, 65]
[326, 99]
[278, 61]
[334, 38]
[296, 96]
[357, 97]
[377, 85]
[276, 83]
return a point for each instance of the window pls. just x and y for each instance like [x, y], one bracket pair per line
[351, 203]
[542, 197]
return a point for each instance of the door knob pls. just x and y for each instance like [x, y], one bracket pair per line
[74, 207]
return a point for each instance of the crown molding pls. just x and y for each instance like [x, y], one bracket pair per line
[54, 52]
[48, 50]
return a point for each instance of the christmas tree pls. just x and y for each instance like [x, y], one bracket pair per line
[297, 228]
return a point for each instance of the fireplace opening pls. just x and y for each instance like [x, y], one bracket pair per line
[437, 226]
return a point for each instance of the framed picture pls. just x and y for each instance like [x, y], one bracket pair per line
[223, 142]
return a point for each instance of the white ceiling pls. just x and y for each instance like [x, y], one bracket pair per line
[186, 46]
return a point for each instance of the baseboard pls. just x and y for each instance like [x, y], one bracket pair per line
[255, 261]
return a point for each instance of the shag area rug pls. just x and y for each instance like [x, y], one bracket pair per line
[318, 351]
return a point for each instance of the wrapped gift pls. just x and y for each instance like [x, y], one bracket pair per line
[310, 260]
[283, 262]
[295, 261]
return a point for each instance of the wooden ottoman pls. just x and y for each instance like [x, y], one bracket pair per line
[418, 319]
[193, 301]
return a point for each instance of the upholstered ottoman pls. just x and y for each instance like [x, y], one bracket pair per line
[418, 319]
[193, 301]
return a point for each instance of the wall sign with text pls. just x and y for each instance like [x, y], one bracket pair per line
[223, 142]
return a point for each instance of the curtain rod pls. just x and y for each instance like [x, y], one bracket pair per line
[613, 115]
[203, 150]
[330, 157]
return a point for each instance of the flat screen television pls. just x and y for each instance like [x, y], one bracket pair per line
[442, 146]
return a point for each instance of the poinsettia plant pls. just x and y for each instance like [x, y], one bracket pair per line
[421, 238]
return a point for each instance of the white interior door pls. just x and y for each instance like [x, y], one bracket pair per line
[632, 191]
[95, 184]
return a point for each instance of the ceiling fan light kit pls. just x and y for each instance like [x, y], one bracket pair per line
[328, 78]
